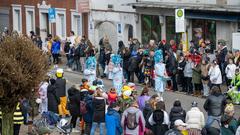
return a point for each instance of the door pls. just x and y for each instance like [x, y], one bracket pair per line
[44, 25]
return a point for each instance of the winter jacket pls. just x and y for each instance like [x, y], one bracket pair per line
[88, 117]
[188, 69]
[222, 55]
[165, 120]
[196, 74]
[139, 130]
[133, 64]
[158, 122]
[53, 99]
[113, 122]
[60, 87]
[56, 47]
[175, 114]
[231, 127]
[230, 71]
[147, 111]
[215, 104]
[171, 66]
[195, 119]
[99, 109]
[74, 102]
[215, 75]
[141, 101]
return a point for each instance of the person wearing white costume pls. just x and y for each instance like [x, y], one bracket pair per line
[90, 70]
[117, 73]
[160, 73]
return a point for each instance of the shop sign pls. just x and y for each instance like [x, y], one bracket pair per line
[180, 20]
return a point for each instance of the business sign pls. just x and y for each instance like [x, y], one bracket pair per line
[180, 20]
[52, 15]
[83, 6]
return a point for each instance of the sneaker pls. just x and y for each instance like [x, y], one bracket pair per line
[74, 130]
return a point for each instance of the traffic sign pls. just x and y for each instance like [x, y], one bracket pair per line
[52, 15]
[180, 20]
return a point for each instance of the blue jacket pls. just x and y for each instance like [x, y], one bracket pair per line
[113, 122]
[56, 47]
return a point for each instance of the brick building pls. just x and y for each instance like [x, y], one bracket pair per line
[32, 15]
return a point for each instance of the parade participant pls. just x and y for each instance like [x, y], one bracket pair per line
[90, 70]
[43, 106]
[61, 92]
[234, 92]
[161, 75]
[117, 73]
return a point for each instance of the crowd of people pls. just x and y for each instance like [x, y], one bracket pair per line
[162, 66]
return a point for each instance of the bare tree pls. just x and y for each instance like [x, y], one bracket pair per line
[22, 67]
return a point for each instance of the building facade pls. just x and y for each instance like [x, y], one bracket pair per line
[112, 19]
[205, 19]
[32, 15]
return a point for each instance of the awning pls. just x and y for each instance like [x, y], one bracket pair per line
[211, 15]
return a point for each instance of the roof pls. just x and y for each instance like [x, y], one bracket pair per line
[190, 6]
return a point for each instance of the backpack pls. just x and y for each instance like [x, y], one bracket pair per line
[83, 108]
[132, 120]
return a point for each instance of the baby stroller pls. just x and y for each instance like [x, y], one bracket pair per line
[51, 120]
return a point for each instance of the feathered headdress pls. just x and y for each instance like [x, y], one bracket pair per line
[158, 56]
[90, 62]
[116, 59]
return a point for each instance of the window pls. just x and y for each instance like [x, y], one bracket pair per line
[61, 22]
[17, 18]
[151, 28]
[76, 22]
[170, 30]
[206, 30]
[30, 18]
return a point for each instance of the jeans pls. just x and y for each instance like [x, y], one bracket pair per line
[189, 86]
[55, 58]
[76, 64]
[174, 83]
[82, 63]
[211, 119]
[95, 125]
[205, 90]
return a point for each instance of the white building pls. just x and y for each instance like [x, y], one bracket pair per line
[113, 19]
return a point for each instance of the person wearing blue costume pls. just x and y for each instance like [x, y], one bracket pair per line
[160, 73]
[90, 70]
[117, 73]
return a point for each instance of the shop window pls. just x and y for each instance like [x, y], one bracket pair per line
[170, 30]
[151, 28]
[204, 30]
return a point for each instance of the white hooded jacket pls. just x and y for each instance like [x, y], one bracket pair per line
[215, 75]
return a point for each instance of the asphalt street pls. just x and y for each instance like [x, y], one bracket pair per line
[169, 97]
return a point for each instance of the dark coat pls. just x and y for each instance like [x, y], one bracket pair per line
[53, 100]
[98, 109]
[60, 87]
[125, 57]
[171, 65]
[215, 104]
[74, 102]
[175, 114]
[147, 111]
[159, 128]
[89, 106]
[133, 64]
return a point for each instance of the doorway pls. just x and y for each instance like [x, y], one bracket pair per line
[44, 25]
